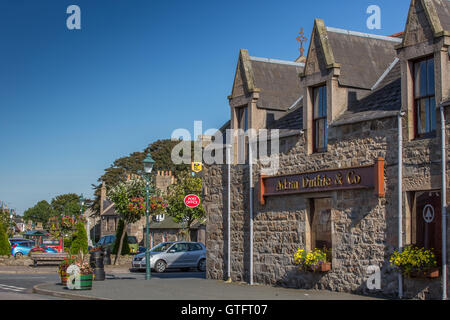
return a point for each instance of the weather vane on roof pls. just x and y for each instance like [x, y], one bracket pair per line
[302, 39]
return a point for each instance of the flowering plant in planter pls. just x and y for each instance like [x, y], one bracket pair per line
[65, 264]
[415, 261]
[315, 260]
[36, 249]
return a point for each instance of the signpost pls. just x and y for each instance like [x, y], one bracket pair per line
[192, 201]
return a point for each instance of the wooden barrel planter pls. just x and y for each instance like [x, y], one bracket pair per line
[86, 281]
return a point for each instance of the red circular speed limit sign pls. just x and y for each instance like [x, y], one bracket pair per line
[192, 201]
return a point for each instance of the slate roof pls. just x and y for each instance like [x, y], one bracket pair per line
[363, 58]
[167, 223]
[110, 208]
[278, 81]
[293, 120]
[443, 12]
[384, 101]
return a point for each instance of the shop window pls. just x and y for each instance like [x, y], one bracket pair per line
[426, 221]
[320, 125]
[424, 98]
[320, 224]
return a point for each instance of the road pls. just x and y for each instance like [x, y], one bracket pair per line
[20, 286]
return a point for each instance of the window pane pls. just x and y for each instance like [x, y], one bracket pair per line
[432, 105]
[421, 116]
[246, 119]
[423, 79]
[430, 77]
[324, 101]
[316, 97]
[320, 133]
[417, 80]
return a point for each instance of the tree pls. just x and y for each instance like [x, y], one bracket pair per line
[125, 245]
[66, 205]
[5, 248]
[79, 241]
[177, 209]
[161, 152]
[123, 196]
[41, 212]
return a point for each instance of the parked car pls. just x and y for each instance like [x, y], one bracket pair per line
[22, 248]
[108, 242]
[179, 255]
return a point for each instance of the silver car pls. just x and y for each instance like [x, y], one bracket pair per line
[182, 255]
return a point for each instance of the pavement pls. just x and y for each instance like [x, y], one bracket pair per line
[20, 282]
[183, 286]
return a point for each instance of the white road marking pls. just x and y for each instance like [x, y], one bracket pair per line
[11, 288]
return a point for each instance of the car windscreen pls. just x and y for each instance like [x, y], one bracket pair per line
[132, 240]
[161, 247]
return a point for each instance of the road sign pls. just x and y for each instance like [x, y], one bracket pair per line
[428, 213]
[197, 167]
[192, 201]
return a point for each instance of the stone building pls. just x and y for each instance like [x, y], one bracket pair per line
[338, 184]
[162, 228]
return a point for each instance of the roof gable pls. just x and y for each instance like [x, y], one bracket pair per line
[320, 56]
[243, 79]
[423, 23]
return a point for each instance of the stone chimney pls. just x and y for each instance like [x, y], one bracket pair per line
[102, 196]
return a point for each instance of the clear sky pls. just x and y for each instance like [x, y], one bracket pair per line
[73, 101]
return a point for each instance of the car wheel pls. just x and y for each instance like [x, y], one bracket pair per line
[18, 255]
[202, 265]
[160, 266]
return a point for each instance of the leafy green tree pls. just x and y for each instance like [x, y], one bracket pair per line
[122, 195]
[161, 152]
[41, 212]
[175, 197]
[5, 248]
[125, 245]
[66, 205]
[79, 240]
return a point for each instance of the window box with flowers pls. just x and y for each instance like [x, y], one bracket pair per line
[315, 260]
[415, 262]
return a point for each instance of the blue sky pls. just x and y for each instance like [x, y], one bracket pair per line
[71, 102]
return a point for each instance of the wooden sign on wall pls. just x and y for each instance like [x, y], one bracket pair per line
[365, 177]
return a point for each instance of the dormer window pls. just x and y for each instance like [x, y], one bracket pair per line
[320, 119]
[424, 98]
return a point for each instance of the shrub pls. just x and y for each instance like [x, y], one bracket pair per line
[5, 247]
[125, 246]
[79, 240]
[311, 260]
[413, 259]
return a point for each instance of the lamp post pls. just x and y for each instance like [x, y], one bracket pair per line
[148, 167]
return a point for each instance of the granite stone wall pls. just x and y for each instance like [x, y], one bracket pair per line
[364, 227]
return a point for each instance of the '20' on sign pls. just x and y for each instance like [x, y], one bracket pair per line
[192, 201]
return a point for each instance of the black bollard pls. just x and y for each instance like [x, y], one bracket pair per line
[96, 262]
